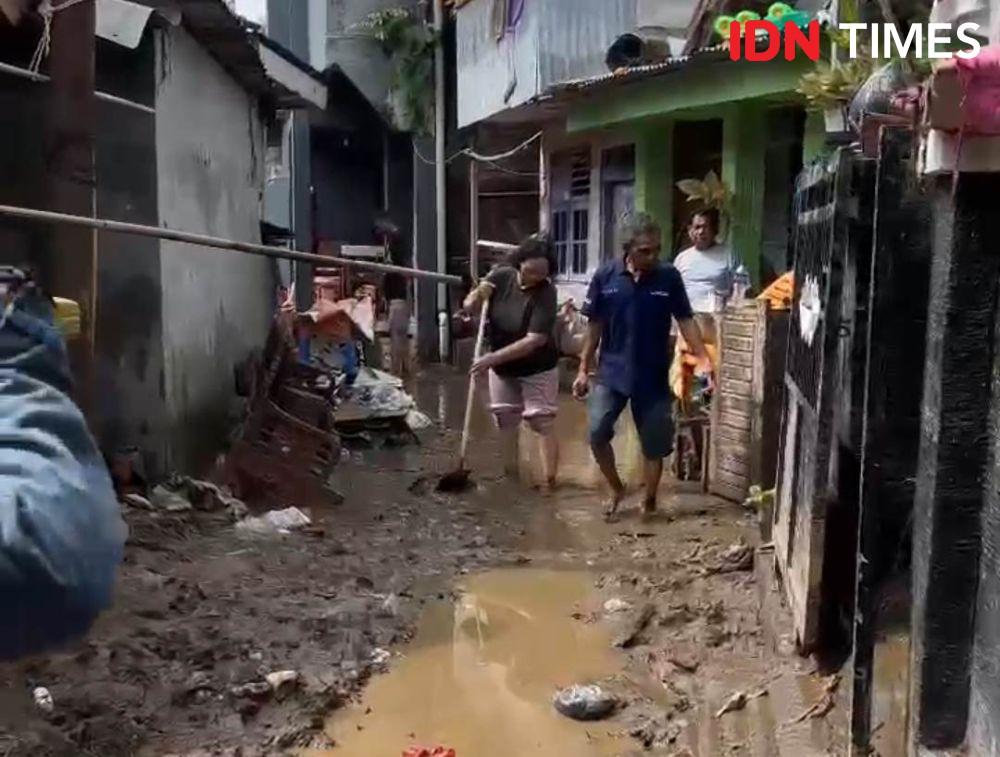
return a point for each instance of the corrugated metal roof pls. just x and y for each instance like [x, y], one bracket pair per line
[234, 43]
[636, 73]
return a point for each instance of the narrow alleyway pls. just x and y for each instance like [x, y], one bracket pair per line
[510, 596]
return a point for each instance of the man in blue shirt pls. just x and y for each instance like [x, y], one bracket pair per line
[629, 305]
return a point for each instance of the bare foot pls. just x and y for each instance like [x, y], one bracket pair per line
[648, 508]
[612, 505]
[548, 488]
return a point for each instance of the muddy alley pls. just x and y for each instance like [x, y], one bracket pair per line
[402, 618]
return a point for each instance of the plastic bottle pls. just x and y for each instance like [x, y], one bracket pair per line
[741, 285]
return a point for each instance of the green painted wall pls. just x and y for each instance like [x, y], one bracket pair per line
[696, 86]
[743, 169]
[814, 138]
[654, 176]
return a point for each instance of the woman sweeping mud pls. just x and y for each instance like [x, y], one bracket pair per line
[523, 366]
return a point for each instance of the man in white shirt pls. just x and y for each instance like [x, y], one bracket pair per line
[706, 267]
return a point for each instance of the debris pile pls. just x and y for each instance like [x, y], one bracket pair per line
[288, 447]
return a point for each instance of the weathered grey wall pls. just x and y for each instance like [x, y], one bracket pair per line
[216, 305]
[130, 405]
[554, 41]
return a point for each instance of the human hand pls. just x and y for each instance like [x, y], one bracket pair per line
[485, 290]
[581, 385]
[706, 371]
[482, 365]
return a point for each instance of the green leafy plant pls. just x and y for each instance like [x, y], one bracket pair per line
[410, 44]
[711, 191]
[832, 86]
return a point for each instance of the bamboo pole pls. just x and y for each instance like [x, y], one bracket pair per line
[102, 224]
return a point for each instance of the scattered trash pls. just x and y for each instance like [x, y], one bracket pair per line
[380, 657]
[417, 421]
[43, 699]
[169, 500]
[821, 707]
[210, 497]
[276, 522]
[735, 703]
[635, 626]
[199, 681]
[736, 559]
[416, 751]
[758, 499]
[138, 502]
[616, 605]
[390, 607]
[282, 681]
[585, 703]
[253, 690]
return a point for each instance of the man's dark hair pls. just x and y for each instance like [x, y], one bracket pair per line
[537, 246]
[711, 215]
[636, 225]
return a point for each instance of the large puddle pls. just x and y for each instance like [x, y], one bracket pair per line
[480, 675]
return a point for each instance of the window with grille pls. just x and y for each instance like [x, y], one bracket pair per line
[571, 211]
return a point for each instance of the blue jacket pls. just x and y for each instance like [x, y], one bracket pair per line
[61, 532]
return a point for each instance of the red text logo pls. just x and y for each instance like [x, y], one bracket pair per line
[744, 39]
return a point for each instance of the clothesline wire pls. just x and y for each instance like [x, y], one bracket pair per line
[469, 152]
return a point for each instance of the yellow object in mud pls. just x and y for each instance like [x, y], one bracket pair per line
[67, 317]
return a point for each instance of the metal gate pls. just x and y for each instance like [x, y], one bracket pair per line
[806, 477]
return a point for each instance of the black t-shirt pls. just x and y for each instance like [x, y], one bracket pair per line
[515, 313]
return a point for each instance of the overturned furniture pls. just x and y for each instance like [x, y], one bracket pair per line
[287, 448]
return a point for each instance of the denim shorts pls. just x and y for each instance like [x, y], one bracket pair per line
[653, 418]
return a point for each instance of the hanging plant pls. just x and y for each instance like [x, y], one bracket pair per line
[410, 44]
[710, 192]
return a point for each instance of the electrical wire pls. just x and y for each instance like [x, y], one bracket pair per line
[470, 153]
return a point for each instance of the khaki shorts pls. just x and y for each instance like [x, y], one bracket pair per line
[533, 399]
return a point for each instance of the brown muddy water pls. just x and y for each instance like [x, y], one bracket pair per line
[480, 675]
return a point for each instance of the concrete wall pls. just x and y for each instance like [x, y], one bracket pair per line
[216, 305]
[130, 408]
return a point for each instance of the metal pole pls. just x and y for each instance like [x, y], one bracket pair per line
[24, 73]
[543, 187]
[441, 170]
[474, 220]
[102, 224]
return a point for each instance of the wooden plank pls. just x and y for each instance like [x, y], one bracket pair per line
[742, 359]
[747, 329]
[738, 344]
[729, 372]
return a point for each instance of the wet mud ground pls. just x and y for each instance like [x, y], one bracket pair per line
[416, 619]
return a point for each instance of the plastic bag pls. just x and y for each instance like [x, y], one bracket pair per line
[61, 532]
